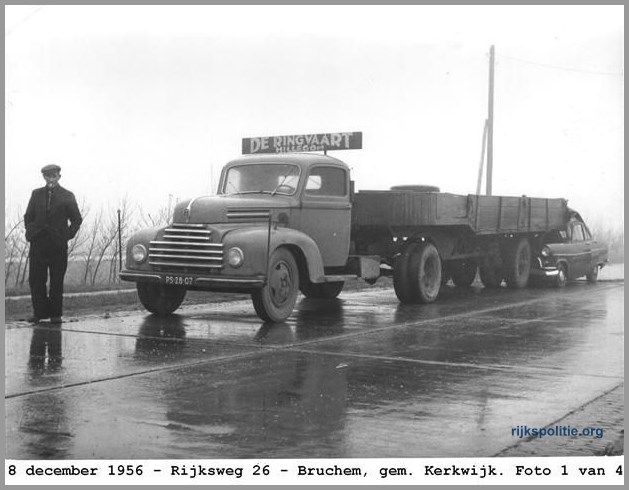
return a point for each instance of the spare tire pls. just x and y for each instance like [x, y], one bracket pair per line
[415, 188]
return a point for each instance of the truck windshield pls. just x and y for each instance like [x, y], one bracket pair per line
[263, 178]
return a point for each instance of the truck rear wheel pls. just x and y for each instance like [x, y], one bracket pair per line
[491, 277]
[324, 290]
[463, 273]
[417, 273]
[160, 299]
[274, 302]
[518, 264]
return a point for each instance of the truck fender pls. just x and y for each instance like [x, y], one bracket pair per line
[303, 247]
[442, 240]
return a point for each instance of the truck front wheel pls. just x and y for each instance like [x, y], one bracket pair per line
[160, 299]
[417, 273]
[518, 261]
[324, 290]
[274, 302]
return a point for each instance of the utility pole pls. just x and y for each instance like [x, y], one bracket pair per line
[482, 160]
[490, 122]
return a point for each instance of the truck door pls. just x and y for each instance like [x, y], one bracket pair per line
[326, 212]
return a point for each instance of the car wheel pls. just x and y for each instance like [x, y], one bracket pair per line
[592, 276]
[561, 279]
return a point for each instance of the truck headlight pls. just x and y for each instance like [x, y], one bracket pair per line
[139, 254]
[545, 252]
[235, 257]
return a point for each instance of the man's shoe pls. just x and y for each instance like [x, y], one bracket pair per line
[55, 319]
[33, 319]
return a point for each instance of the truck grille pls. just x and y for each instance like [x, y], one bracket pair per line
[186, 247]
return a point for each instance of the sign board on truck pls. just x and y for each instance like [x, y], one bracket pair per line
[303, 142]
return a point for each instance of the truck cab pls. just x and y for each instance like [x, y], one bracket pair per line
[316, 188]
[278, 224]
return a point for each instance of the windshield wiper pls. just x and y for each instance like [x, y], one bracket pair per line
[255, 192]
[281, 183]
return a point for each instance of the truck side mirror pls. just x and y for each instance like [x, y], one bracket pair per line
[351, 191]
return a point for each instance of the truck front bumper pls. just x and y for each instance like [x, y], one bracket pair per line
[194, 281]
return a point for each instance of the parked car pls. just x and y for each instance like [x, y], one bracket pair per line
[569, 254]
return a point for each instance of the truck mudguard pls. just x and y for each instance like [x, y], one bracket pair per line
[279, 237]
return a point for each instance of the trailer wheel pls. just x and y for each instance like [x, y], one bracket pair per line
[518, 260]
[445, 274]
[160, 299]
[592, 276]
[402, 283]
[420, 280]
[324, 290]
[464, 273]
[491, 277]
[275, 301]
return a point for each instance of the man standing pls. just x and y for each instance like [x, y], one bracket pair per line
[49, 210]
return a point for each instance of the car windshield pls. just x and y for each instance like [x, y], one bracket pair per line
[263, 178]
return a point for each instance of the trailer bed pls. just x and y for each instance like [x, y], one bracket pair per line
[482, 214]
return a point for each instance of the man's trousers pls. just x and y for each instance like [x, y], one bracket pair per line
[44, 258]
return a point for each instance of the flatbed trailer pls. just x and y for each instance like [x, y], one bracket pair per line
[428, 238]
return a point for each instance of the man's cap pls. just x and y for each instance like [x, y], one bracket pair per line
[50, 169]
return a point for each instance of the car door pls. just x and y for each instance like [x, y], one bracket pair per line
[581, 251]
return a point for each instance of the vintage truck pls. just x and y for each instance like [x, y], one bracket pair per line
[289, 222]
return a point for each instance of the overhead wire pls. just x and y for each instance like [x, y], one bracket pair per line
[561, 68]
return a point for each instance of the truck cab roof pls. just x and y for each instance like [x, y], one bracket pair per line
[304, 160]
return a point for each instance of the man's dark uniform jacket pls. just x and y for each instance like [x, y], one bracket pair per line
[49, 226]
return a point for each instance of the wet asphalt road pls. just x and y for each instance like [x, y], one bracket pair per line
[361, 376]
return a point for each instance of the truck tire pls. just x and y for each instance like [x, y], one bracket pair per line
[518, 264]
[592, 275]
[463, 273]
[402, 284]
[419, 274]
[491, 277]
[274, 302]
[324, 290]
[160, 299]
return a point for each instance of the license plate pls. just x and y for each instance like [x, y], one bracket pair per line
[178, 280]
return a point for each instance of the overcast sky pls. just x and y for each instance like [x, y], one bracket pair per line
[150, 101]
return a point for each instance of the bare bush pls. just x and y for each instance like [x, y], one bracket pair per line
[94, 253]
[15, 251]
